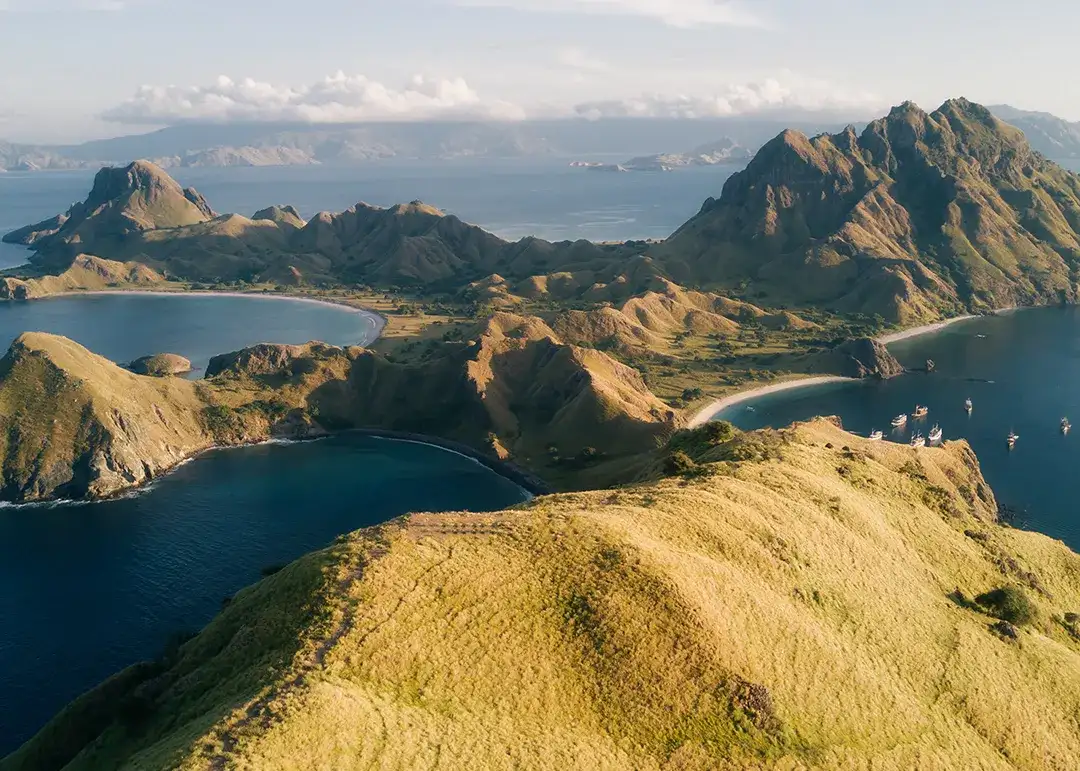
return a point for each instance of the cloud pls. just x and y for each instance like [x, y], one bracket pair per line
[735, 99]
[675, 13]
[339, 98]
[582, 61]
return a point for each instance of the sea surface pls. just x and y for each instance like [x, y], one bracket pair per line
[90, 589]
[123, 327]
[1022, 372]
[514, 199]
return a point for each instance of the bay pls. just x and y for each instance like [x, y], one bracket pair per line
[1022, 372]
[90, 589]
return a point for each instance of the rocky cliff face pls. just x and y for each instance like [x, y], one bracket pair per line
[920, 215]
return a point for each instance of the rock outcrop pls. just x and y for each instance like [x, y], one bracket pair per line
[161, 365]
[866, 357]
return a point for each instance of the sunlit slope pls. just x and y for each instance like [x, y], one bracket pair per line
[804, 608]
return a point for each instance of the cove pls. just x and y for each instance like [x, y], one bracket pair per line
[1021, 371]
[89, 589]
[123, 326]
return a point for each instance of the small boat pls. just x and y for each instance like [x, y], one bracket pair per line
[1011, 439]
[1065, 425]
[899, 420]
[935, 434]
[918, 441]
[751, 409]
[968, 405]
[981, 337]
[876, 436]
[920, 411]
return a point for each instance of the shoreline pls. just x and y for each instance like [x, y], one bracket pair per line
[378, 320]
[925, 329]
[711, 410]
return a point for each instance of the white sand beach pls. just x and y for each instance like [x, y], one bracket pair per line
[706, 414]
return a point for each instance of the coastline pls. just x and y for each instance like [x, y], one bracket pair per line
[378, 320]
[925, 329]
[710, 411]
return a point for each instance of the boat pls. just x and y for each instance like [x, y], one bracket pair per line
[968, 405]
[1065, 425]
[876, 436]
[1011, 439]
[920, 411]
[918, 441]
[899, 420]
[935, 434]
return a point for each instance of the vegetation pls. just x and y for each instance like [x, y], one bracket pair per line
[1009, 603]
[781, 614]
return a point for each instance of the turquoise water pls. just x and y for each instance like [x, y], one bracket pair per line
[123, 327]
[1021, 371]
[89, 589]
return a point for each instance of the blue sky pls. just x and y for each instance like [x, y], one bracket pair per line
[75, 69]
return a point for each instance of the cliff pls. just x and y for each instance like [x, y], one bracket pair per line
[919, 216]
[803, 604]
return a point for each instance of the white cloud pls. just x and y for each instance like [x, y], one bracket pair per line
[339, 98]
[735, 99]
[582, 61]
[676, 13]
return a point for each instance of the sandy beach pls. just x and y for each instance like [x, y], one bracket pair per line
[925, 329]
[712, 409]
[377, 319]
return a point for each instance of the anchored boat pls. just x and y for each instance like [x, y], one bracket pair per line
[935, 434]
[876, 436]
[920, 411]
[918, 440]
[968, 406]
[899, 420]
[1065, 425]
[1011, 439]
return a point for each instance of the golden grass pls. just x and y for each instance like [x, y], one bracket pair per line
[789, 614]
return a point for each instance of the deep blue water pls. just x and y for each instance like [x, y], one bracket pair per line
[89, 589]
[1024, 376]
[544, 198]
[123, 327]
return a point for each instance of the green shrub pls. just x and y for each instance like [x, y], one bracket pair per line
[679, 464]
[1008, 603]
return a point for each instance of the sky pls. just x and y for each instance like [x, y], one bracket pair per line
[72, 70]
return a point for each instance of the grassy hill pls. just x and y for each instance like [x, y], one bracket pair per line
[798, 599]
[919, 216]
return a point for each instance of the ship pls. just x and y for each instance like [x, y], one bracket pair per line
[920, 411]
[899, 420]
[935, 434]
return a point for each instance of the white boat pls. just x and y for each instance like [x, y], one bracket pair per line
[968, 405]
[1065, 425]
[899, 420]
[876, 436]
[920, 411]
[935, 434]
[1011, 439]
[918, 441]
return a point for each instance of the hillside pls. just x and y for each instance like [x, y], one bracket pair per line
[919, 216]
[1048, 134]
[76, 425]
[123, 202]
[86, 273]
[804, 606]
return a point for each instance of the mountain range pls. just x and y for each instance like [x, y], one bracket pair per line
[918, 216]
[647, 140]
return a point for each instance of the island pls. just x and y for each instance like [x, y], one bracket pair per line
[693, 595]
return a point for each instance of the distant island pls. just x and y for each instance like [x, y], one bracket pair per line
[722, 151]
